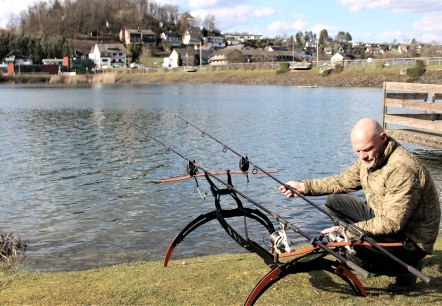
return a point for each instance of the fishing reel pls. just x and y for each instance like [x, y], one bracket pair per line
[192, 170]
[279, 241]
[244, 164]
[338, 237]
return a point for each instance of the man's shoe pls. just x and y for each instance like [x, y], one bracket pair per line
[405, 283]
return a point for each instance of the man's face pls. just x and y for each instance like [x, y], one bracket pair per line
[369, 149]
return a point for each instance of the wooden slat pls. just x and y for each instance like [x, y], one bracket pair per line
[438, 96]
[429, 116]
[400, 119]
[407, 96]
[432, 107]
[415, 87]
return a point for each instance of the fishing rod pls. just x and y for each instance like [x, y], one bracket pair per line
[314, 241]
[244, 162]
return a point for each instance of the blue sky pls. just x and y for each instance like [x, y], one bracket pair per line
[367, 21]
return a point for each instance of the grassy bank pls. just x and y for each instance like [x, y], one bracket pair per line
[349, 77]
[211, 280]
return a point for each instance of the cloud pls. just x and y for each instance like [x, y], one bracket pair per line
[390, 36]
[409, 6]
[358, 5]
[265, 11]
[235, 18]
[202, 4]
[11, 8]
[316, 29]
[280, 27]
[429, 21]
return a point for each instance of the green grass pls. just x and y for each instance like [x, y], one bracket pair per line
[209, 280]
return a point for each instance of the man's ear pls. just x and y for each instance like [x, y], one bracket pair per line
[384, 138]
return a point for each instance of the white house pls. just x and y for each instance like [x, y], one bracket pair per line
[108, 55]
[336, 59]
[403, 49]
[17, 59]
[173, 60]
[192, 36]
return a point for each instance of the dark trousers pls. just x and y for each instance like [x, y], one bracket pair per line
[352, 209]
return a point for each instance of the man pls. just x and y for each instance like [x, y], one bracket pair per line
[401, 203]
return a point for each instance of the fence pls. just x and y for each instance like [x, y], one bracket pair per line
[385, 62]
[415, 109]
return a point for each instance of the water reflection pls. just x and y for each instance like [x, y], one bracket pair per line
[78, 184]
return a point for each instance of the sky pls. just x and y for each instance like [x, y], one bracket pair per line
[373, 21]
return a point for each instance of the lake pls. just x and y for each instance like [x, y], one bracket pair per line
[77, 182]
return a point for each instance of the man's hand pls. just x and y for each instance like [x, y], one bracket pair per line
[336, 228]
[299, 187]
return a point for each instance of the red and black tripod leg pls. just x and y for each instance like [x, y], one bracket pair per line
[220, 215]
[297, 265]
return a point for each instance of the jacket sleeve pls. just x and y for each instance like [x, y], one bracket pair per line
[399, 203]
[347, 181]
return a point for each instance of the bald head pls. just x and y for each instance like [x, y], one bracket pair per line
[368, 140]
[366, 128]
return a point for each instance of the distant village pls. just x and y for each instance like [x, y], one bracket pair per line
[193, 49]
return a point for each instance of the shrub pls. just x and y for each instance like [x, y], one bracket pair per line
[283, 68]
[338, 68]
[417, 71]
[325, 71]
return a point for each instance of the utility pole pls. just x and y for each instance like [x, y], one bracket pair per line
[293, 51]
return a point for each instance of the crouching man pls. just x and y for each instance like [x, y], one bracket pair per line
[401, 202]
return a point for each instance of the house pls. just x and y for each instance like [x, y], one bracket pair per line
[215, 42]
[328, 50]
[192, 36]
[178, 57]
[228, 55]
[205, 53]
[108, 55]
[233, 39]
[173, 61]
[374, 50]
[337, 59]
[402, 49]
[273, 48]
[137, 36]
[17, 59]
[171, 39]
[284, 56]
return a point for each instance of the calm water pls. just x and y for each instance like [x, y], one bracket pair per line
[78, 184]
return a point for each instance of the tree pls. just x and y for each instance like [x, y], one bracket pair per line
[209, 23]
[323, 37]
[135, 52]
[341, 37]
[299, 39]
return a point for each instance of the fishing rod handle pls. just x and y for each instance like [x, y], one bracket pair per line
[358, 269]
[419, 274]
[410, 269]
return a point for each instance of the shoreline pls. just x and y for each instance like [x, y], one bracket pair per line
[349, 77]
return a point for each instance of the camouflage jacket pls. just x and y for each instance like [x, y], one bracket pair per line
[399, 190]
